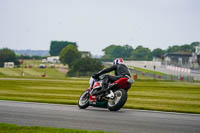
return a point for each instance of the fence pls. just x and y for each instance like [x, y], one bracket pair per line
[164, 77]
[156, 76]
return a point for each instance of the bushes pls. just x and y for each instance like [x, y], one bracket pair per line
[7, 55]
[79, 66]
[69, 54]
[85, 67]
[57, 46]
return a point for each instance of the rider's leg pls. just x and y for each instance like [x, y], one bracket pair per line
[107, 79]
[105, 82]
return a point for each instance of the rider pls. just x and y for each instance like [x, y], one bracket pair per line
[121, 70]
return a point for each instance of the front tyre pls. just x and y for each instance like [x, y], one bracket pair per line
[118, 101]
[83, 101]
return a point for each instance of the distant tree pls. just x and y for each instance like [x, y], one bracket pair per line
[69, 54]
[174, 48]
[158, 52]
[27, 57]
[141, 53]
[112, 51]
[57, 46]
[7, 55]
[127, 49]
[194, 44]
[85, 67]
[183, 48]
[115, 51]
[38, 57]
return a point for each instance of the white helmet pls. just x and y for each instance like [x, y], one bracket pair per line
[118, 61]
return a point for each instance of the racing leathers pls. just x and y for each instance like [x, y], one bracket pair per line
[121, 71]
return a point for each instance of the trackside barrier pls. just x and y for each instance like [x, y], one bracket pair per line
[135, 76]
[163, 77]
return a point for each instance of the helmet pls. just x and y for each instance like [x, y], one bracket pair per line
[118, 61]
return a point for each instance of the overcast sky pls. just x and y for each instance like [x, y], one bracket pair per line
[95, 24]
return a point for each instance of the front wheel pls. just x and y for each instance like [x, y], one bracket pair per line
[118, 101]
[83, 101]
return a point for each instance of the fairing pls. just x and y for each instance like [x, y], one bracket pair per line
[122, 83]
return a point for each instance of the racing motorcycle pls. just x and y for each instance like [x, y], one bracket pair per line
[113, 98]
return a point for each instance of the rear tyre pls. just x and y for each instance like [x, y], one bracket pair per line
[83, 101]
[118, 101]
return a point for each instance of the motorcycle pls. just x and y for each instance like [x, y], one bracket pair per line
[113, 98]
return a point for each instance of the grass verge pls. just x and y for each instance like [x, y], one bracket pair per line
[32, 73]
[144, 94]
[12, 128]
[149, 71]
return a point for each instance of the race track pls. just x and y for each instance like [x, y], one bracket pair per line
[123, 121]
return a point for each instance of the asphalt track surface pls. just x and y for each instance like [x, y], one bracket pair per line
[123, 121]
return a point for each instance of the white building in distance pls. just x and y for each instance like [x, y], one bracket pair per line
[85, 54]
[53, 59]
[9, 64]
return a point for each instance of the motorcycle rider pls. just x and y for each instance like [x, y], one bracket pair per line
[121, 71]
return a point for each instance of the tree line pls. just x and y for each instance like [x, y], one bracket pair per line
[142, 53]
[57, 46]
[8, 55]
[69, 54]
[78, 65]
[81, 66]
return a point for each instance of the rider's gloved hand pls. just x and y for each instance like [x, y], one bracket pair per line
[95, 76]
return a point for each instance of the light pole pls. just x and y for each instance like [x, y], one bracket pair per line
[22, 63]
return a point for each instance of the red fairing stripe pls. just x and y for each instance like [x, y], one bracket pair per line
[122, 82]
[92, 98]
[96, 84]
[121, 60]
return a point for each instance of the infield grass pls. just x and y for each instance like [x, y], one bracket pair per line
[144, 94]
[12, 128]
[32, 73]
[149, 71]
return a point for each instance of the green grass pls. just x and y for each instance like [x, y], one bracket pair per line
[1, 73]
[32, 72]
[148, 71]
[144, 94]
[35, 71]
[165, 96]
[31, 62]
[12, 128]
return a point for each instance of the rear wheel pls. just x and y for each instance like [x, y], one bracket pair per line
[83, 101]
[118, 101]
